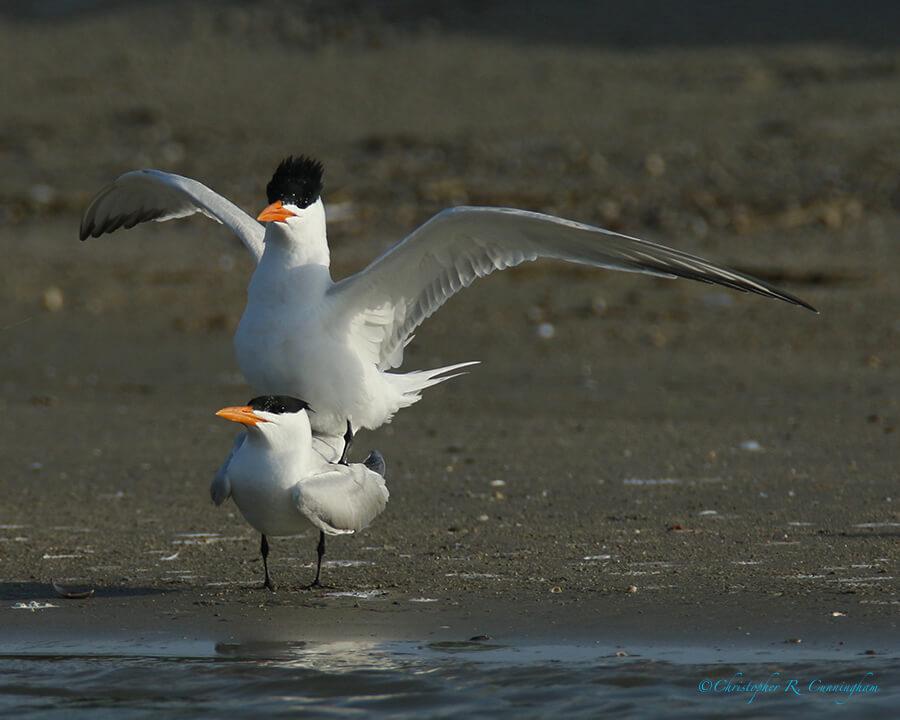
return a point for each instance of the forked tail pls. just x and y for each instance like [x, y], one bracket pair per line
[412, 384]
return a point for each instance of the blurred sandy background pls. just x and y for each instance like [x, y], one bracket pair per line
[690, 443]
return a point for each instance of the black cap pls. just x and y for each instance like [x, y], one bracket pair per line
[278, 404]
[297, 181]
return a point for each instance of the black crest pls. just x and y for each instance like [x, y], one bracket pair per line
[297, 181]
[278, 404]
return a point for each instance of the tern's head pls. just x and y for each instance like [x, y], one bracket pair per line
[294, 192]
[273, 417]
[295, 217]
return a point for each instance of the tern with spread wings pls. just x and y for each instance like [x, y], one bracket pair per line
[338, 344]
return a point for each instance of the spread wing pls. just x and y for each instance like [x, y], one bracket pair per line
[343, 499]
[144, 195]
[390, 298]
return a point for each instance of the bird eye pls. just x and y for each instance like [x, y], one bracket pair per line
[278, 404]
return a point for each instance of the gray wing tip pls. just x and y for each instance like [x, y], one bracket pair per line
[91, 229]
[766, 290]
[773, 292]
[220, 489]
[687, 267]
[88, 226]
[94, 231]
[801, 303]
[375, 462]
[794, 300]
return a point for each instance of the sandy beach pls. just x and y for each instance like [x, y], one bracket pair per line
[633, 459]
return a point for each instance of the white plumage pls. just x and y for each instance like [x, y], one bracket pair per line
[282, 485]
[336, 344]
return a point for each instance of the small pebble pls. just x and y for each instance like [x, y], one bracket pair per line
[53, 299]
[610, 211]
[42, 194]
[655, 165]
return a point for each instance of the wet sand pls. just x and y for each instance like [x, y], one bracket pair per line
[634, 459]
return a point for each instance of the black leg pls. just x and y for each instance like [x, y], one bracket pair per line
[321, 551]
[348, 441]
[264, 551]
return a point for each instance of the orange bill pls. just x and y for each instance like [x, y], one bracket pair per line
[242, 414]
[276, 212]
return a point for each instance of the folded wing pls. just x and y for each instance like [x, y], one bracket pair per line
[342, 500]
[220, 489]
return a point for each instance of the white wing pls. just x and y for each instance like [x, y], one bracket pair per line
[342, 500]
[144, 195]
[401, 288]
[329, 447]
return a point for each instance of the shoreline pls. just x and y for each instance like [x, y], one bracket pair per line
[156, 621]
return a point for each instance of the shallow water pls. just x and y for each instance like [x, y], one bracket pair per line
[480, 679]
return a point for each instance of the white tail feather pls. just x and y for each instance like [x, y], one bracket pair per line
[413, 383]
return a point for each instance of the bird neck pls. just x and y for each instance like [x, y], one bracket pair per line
[294, 267]
[288, 252]
[301, 240]
[287, 277]
[295, 247]
[282, 446]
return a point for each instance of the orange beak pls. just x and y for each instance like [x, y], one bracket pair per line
[242, 414]
[276, 212]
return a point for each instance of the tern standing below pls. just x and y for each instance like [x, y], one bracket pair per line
[281, 484]
[336, 344]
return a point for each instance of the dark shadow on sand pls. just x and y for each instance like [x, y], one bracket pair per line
[35, 591]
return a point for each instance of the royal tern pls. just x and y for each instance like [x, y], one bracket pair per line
[281, 484]
[336, 343]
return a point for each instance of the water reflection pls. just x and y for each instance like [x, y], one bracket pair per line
[450, 678]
